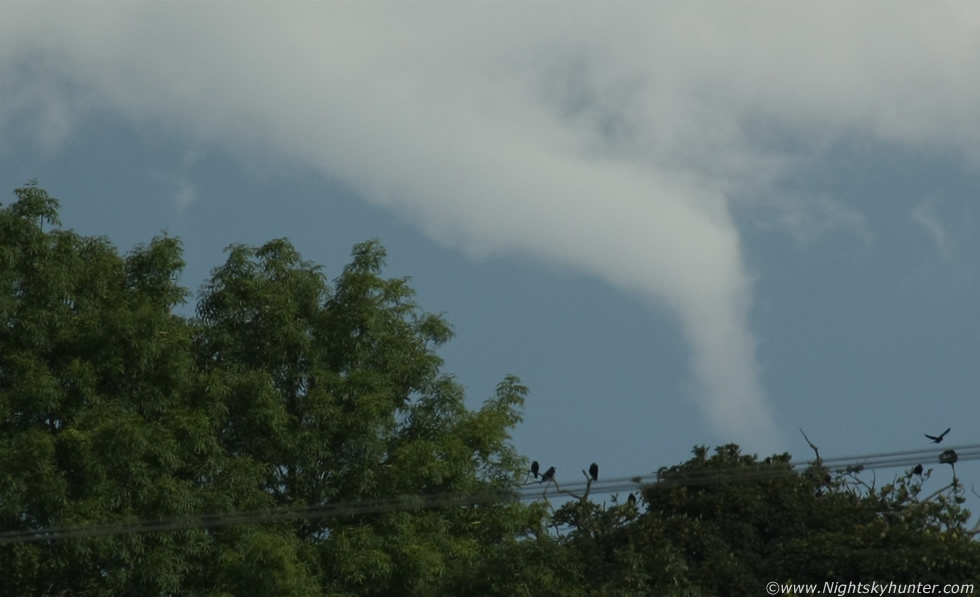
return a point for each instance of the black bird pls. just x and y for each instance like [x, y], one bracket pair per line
[594, 471]
[949, 457]
[535, 467]
[549, 475]
[631, 500]
[918, 469]
[937, 440]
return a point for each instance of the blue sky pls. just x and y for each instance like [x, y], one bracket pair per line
[678, 224]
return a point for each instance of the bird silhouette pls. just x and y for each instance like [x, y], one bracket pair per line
[949, 457]
[918, 469]
[594, 471]
[549, 475]
[535, 467]
[631, 500]
[939, 439]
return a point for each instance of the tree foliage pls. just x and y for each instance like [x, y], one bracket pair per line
[287, 390]
[728, 523]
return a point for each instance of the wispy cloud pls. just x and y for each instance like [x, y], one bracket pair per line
[607, 138]
[44, 106]
[926, 218]
[185, 195]
[807, 219]
[178, 178]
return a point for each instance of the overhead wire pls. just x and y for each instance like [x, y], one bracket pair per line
[666, 478]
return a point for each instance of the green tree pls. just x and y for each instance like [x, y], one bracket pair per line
[336, 394]
[287, 391]
[728, 523]
[284, 391]
[93, 424]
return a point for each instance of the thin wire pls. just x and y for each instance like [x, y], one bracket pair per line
[668, 478]
[671, 479]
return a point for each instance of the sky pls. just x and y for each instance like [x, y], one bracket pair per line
[678, 224]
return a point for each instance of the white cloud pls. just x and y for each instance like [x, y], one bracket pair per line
[606, 137]
[178, 178]
[809, 218]
[926, 218]
[36, 96]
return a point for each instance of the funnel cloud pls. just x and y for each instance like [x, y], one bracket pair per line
[616, 140]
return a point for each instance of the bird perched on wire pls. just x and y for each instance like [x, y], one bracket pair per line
[949, 457]
[549, 475]
[535, 467]
[594, 471]
[937, 439]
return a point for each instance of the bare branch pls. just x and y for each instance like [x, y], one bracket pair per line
[941, 490]
[588, 485]
[976, 528]
[548, 482]
[857, 481]
[582, 498]
[816, 450]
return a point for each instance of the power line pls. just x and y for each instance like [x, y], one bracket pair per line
[668, 478]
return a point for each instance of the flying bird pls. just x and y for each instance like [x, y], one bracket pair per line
[535, 467]
[918, 469]
[594, 471]
[937, 440]
[549, 475]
